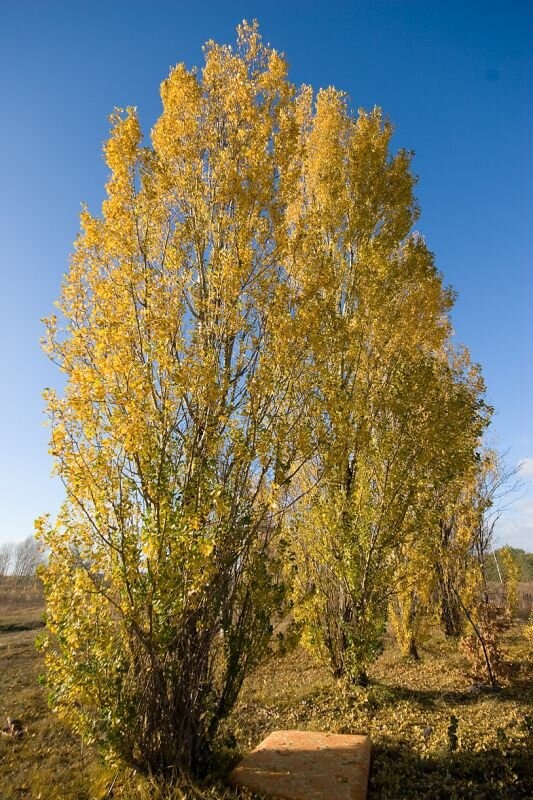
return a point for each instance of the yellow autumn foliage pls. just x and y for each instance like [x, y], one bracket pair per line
[261, 404]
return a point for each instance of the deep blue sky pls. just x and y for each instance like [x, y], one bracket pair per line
[454, 77]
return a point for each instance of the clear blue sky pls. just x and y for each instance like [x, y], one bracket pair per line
[456, 80]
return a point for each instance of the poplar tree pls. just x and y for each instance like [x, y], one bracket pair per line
[432, 564]
[397, 420]
[180, 423]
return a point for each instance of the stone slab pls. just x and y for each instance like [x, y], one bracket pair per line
[300, 765]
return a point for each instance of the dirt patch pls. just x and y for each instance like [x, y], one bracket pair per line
[303, 765]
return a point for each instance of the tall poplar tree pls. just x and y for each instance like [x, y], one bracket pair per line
[180, 422]
[395, 418]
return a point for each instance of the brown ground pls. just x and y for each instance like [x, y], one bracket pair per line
[46, 762]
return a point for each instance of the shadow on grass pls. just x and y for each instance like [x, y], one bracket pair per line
[383, 695]
[400, 773]
[31, 625]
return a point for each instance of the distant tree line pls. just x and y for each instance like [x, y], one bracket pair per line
[19, 560]
[523, 560]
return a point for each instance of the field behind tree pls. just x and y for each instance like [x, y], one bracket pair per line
[404, 700]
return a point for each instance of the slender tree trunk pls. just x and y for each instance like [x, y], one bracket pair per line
[413, 650]
[493, 681]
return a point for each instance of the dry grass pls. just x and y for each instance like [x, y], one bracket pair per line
[494, 731]
[47, 761]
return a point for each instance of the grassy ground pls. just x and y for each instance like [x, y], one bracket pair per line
[492, 759]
